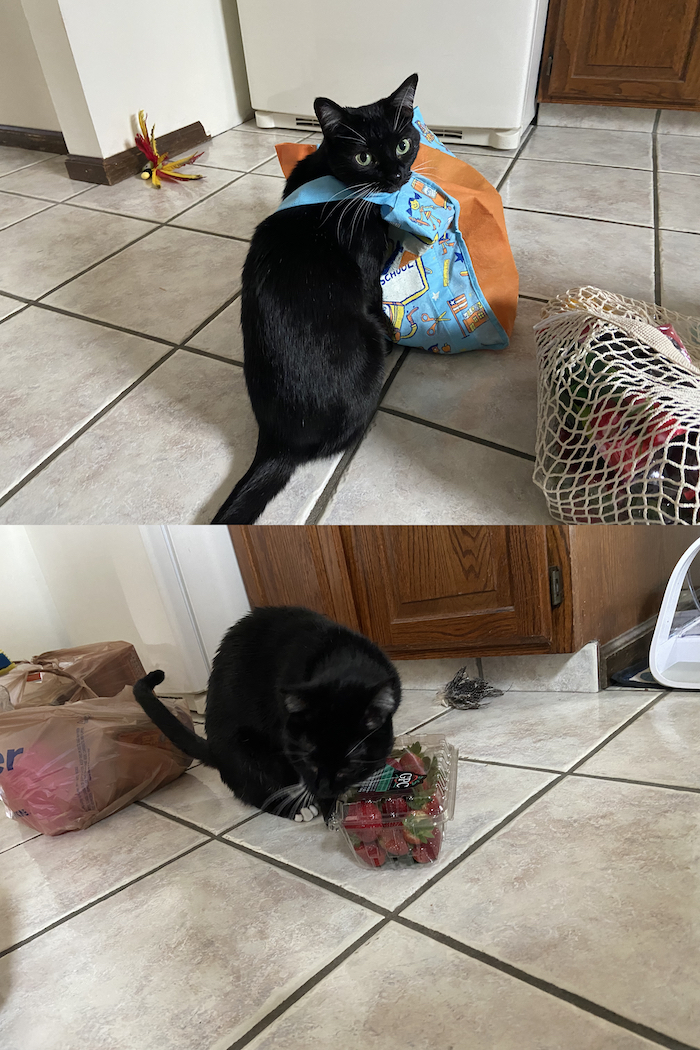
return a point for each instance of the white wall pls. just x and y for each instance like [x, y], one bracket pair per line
[180, 60]
[24, 96]
[171, 592]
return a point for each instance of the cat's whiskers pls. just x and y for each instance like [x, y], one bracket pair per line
[359, 186]
[362, 210]
[371, 732]
[286, 793]
[355, 134]
[423, 169]
[356, 199]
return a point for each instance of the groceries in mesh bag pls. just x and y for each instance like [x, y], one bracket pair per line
[618, 410]
[65, 767]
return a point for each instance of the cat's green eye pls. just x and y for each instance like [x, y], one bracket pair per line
[403, 147]
[363, 159]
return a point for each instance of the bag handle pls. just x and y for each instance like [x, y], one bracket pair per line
[51, 668]
[640, 330]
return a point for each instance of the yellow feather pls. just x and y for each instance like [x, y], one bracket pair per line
[179, 163]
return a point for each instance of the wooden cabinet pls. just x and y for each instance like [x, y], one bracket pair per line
[451, 585]
[482, 590]
[623, 52]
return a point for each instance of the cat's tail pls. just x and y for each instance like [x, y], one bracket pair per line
[267, 475]
[167, 722]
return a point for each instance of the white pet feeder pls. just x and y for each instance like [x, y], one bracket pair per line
[674, 657]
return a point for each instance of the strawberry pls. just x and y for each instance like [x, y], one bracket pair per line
[418, 827]
[410, 762]
[364, 820]
[395, 808]
[427, 852]
[371, 853]
[393, 841]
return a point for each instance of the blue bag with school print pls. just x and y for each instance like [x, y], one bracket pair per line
[429, 288]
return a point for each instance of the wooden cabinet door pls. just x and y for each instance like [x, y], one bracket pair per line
[451, 590]
[626, 52]
[296, 565]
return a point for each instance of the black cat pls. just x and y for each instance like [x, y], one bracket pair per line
[298, 709]
[314, 332]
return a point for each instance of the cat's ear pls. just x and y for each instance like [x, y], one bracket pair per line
[382, 706]
[329, 114]
[403, 97]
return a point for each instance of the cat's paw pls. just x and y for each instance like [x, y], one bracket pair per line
[306, 813]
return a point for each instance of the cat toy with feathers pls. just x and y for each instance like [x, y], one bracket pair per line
[159, 168]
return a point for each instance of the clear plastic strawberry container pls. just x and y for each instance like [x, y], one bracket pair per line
[397, 816]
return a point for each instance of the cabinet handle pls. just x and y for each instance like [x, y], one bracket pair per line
[556, 587]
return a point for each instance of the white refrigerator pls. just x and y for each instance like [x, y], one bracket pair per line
[478, 61]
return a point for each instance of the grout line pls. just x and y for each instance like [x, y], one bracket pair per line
[173, 347]
[533, 298]
[331, 486]
[479, 667]
[307, 876]
[477, 843]
[428, 721]
[103, 324]
[457, 433]
[172, 816]
[209, 233]
[99, 900]
[86, 426]
[640, 783]
[616, 732]
[586, 218]
[511, 765]
[106, 211]
[240, 823]
[557, 992]
[302, 990]
[15, 313]
[22, 842]
[655, 207]
[213, 357]
[39, 211]
[590, 163]
[521, 147]
[99, 262]
[524, 805]
[212, 317]
[236, 176]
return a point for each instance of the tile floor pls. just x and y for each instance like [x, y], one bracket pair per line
[562, 913]
[124, 398]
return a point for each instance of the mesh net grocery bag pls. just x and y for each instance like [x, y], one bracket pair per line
[618, 422]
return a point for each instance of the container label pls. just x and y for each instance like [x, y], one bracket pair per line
[390, 779]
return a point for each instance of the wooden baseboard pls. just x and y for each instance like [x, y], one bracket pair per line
[32, 138]
[109, 170]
